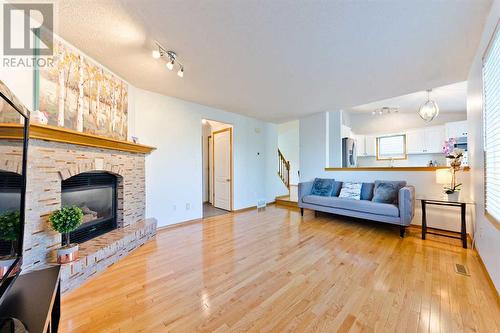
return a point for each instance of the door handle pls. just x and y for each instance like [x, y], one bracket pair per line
[228, 180]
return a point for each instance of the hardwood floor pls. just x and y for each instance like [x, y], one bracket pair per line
[275, 271]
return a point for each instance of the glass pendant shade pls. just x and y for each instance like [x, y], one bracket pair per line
[429, 110]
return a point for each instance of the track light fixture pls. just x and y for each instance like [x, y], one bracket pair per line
[171, 58]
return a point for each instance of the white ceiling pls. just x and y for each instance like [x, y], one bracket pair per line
[449, 98]
[282, 59]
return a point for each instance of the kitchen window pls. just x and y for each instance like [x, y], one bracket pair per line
[391, 147]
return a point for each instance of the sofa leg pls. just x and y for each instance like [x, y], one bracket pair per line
[302, 212]
[402, 230]
[315, 213]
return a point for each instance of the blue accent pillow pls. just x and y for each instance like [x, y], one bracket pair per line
[367, 191]
[322, 187]
[337, 186]
[387, 191]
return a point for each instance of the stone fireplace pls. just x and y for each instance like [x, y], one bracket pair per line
[106, 178]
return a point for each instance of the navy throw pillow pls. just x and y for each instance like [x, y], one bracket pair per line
[337, 186]
[367, 191]
[322, 187]
[387, 191]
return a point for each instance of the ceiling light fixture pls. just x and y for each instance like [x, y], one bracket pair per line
[171, 58]
[429, 110]
[385, 110]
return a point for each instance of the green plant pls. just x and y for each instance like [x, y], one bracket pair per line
[65, 220]
[10, 226]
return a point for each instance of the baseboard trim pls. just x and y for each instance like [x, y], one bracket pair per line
[188, 222]
[488, 277]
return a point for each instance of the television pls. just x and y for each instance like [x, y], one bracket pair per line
[14, 136]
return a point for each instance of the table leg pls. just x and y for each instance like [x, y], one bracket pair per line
[424, 220]
[464, 226]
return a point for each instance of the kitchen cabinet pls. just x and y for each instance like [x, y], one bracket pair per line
[428, 140]
[365, 145]
[370, 145]
[456, 129]
[360, 145]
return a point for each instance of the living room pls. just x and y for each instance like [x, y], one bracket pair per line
[358, 191]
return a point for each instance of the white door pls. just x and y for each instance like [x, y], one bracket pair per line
[222, 168]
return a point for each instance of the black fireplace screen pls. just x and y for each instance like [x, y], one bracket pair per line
[95, 194]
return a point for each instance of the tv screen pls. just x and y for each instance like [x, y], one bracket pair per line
[14, 127]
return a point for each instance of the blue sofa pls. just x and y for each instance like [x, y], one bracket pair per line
[401, 213]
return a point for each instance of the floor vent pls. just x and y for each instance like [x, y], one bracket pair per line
[461, 269]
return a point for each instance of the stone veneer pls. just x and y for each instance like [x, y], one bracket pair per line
[51, 162]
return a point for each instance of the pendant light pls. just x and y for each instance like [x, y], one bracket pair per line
[429, 110]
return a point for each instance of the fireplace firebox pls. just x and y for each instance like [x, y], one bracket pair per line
[95, 194]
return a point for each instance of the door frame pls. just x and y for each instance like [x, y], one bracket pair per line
[231, 186]
[209, 173]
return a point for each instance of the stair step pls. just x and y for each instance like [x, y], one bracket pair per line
[285, 200]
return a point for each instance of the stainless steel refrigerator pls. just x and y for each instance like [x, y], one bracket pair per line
[349, 154]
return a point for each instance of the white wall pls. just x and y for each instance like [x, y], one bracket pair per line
[366, 123]
[313, 146]
[288, 143]
[488, 236]
[174, 170]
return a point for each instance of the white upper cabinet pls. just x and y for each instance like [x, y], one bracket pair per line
[415, 142]
[434, 139]
[456, 129]
[370, 145]
[360, 144]
[428, 140]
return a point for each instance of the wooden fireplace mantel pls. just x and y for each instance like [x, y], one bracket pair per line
[59, 134]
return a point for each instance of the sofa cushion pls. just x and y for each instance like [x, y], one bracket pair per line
[322, 186]
[337, 186]
[350, 191]
[367, 191]
[387, 191]
[364, 206]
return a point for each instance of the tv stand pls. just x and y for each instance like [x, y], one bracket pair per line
[35, 299]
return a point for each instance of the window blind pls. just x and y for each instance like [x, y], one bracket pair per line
[391, 146]
[491, 116]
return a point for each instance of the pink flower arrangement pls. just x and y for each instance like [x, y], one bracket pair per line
[449, 145]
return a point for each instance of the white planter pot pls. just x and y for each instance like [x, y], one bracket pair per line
[453, 197]
[67, 254]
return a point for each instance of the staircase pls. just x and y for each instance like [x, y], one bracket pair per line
[289, 200]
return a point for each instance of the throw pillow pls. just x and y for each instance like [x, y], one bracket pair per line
[387, 191]
[351, 191]
[322, 187]
[367, 191]
[337, 186]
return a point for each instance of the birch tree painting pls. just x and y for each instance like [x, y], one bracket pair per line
[78, 94]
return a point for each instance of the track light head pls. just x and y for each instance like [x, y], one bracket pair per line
[180, 73]
[156, 54]
[170, 65]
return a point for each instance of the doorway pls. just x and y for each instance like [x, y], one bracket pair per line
[217, 142]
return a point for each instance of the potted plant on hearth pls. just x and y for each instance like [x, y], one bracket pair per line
[455, 156]
[10, 224]
[64, 221]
